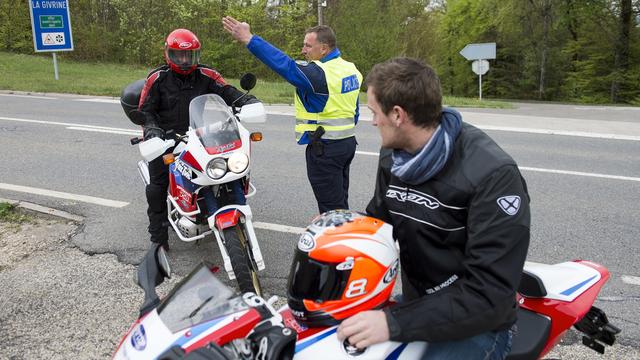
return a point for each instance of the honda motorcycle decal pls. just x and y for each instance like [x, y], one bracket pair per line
[139, 338]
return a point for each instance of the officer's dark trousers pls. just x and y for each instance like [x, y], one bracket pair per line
[157, 200]
[329, 173]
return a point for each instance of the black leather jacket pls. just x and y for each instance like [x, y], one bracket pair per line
[167, 94]
[463, 239]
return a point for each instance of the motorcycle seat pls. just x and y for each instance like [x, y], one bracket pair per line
[532, 332]
[531, 285]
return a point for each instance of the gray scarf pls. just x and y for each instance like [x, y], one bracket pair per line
[418, 168]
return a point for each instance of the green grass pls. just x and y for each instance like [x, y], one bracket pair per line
[35, 73]
[9, 214]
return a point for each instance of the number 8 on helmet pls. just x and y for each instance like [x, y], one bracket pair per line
[344, 263]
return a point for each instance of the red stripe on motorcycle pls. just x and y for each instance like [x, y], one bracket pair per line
[235, 330]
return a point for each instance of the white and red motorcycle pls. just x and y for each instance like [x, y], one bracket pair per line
[209, 181]
[203, 319]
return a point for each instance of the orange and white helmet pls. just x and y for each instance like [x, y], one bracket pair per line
[344, 263]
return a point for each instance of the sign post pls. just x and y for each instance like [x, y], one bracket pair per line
[51, 27]
[480, 53]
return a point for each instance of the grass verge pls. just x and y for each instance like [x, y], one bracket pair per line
[35, 73]
[9, 214]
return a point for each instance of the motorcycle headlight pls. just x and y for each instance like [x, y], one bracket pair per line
[216, 168]
[238, 162]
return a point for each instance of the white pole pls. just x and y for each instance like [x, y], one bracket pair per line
[55, 65]
[480, 84]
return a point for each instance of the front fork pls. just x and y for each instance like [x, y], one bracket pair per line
[230, 216]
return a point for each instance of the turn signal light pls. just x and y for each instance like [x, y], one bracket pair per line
[256, 136]
[168, 159]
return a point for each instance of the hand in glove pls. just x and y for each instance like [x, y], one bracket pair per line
[149, 132]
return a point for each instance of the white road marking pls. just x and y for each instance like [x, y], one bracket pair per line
[633, 280]
[138, 132]
[607, 108]
[110, 101]
[367, 153]
[559, 132]
[75, 126]
[554, 171]
[579, 173]
[123, 132]
[64, 195]
[278, 227]
[30, 96]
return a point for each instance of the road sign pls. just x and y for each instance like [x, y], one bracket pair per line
[479, 51]
[480, 67]
[51, 25]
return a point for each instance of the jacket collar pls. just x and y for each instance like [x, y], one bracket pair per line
[335, 53]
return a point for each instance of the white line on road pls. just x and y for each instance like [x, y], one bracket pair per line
[367, 153]
[75, 126]
[579, 173]
[64, 195]
[31, 96]
[278, 227]
[559, 132]
[137, 132]
[123, 132]
[633, 280]
[564, 172]
[110, 101]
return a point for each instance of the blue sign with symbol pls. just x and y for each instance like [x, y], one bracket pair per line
[51, 25]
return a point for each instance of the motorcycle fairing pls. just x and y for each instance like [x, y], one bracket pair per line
[326, 343]
[562, 312]
[564, 281]
[182, 190]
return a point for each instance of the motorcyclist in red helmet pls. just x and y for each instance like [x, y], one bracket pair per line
[164, 100]
[182, 51]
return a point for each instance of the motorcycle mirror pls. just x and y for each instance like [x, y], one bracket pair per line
[163, 262]
[248, 81]
[151, 272]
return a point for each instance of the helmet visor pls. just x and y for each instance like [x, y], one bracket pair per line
[313, 280]
[184, 59]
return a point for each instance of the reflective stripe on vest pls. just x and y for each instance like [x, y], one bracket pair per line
[337, 117]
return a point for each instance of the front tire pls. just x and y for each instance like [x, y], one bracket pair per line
[239, 252]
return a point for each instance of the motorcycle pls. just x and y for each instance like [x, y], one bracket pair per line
[209, 180]
[203, 316]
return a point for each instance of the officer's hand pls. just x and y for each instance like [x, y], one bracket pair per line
[149, 132]
[240, 31]
[365, 329]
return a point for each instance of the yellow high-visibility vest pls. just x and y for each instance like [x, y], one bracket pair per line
[337, 117]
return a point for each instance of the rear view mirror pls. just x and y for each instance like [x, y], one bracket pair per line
[151, 272]
[248, 81]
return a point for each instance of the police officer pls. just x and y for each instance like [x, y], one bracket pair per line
[165, 100]
[326, 102]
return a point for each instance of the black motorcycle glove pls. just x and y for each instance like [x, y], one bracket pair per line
[149, 132]
[150, 129]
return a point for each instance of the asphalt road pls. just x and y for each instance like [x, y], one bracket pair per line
[581, 165]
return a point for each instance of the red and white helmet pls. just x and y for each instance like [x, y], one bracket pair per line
[182, 51]
[344, 263]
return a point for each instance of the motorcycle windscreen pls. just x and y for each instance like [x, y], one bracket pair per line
[214, 123]
[313, 280]
[199, 297]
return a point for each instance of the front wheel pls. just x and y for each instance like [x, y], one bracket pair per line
[239, 252]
